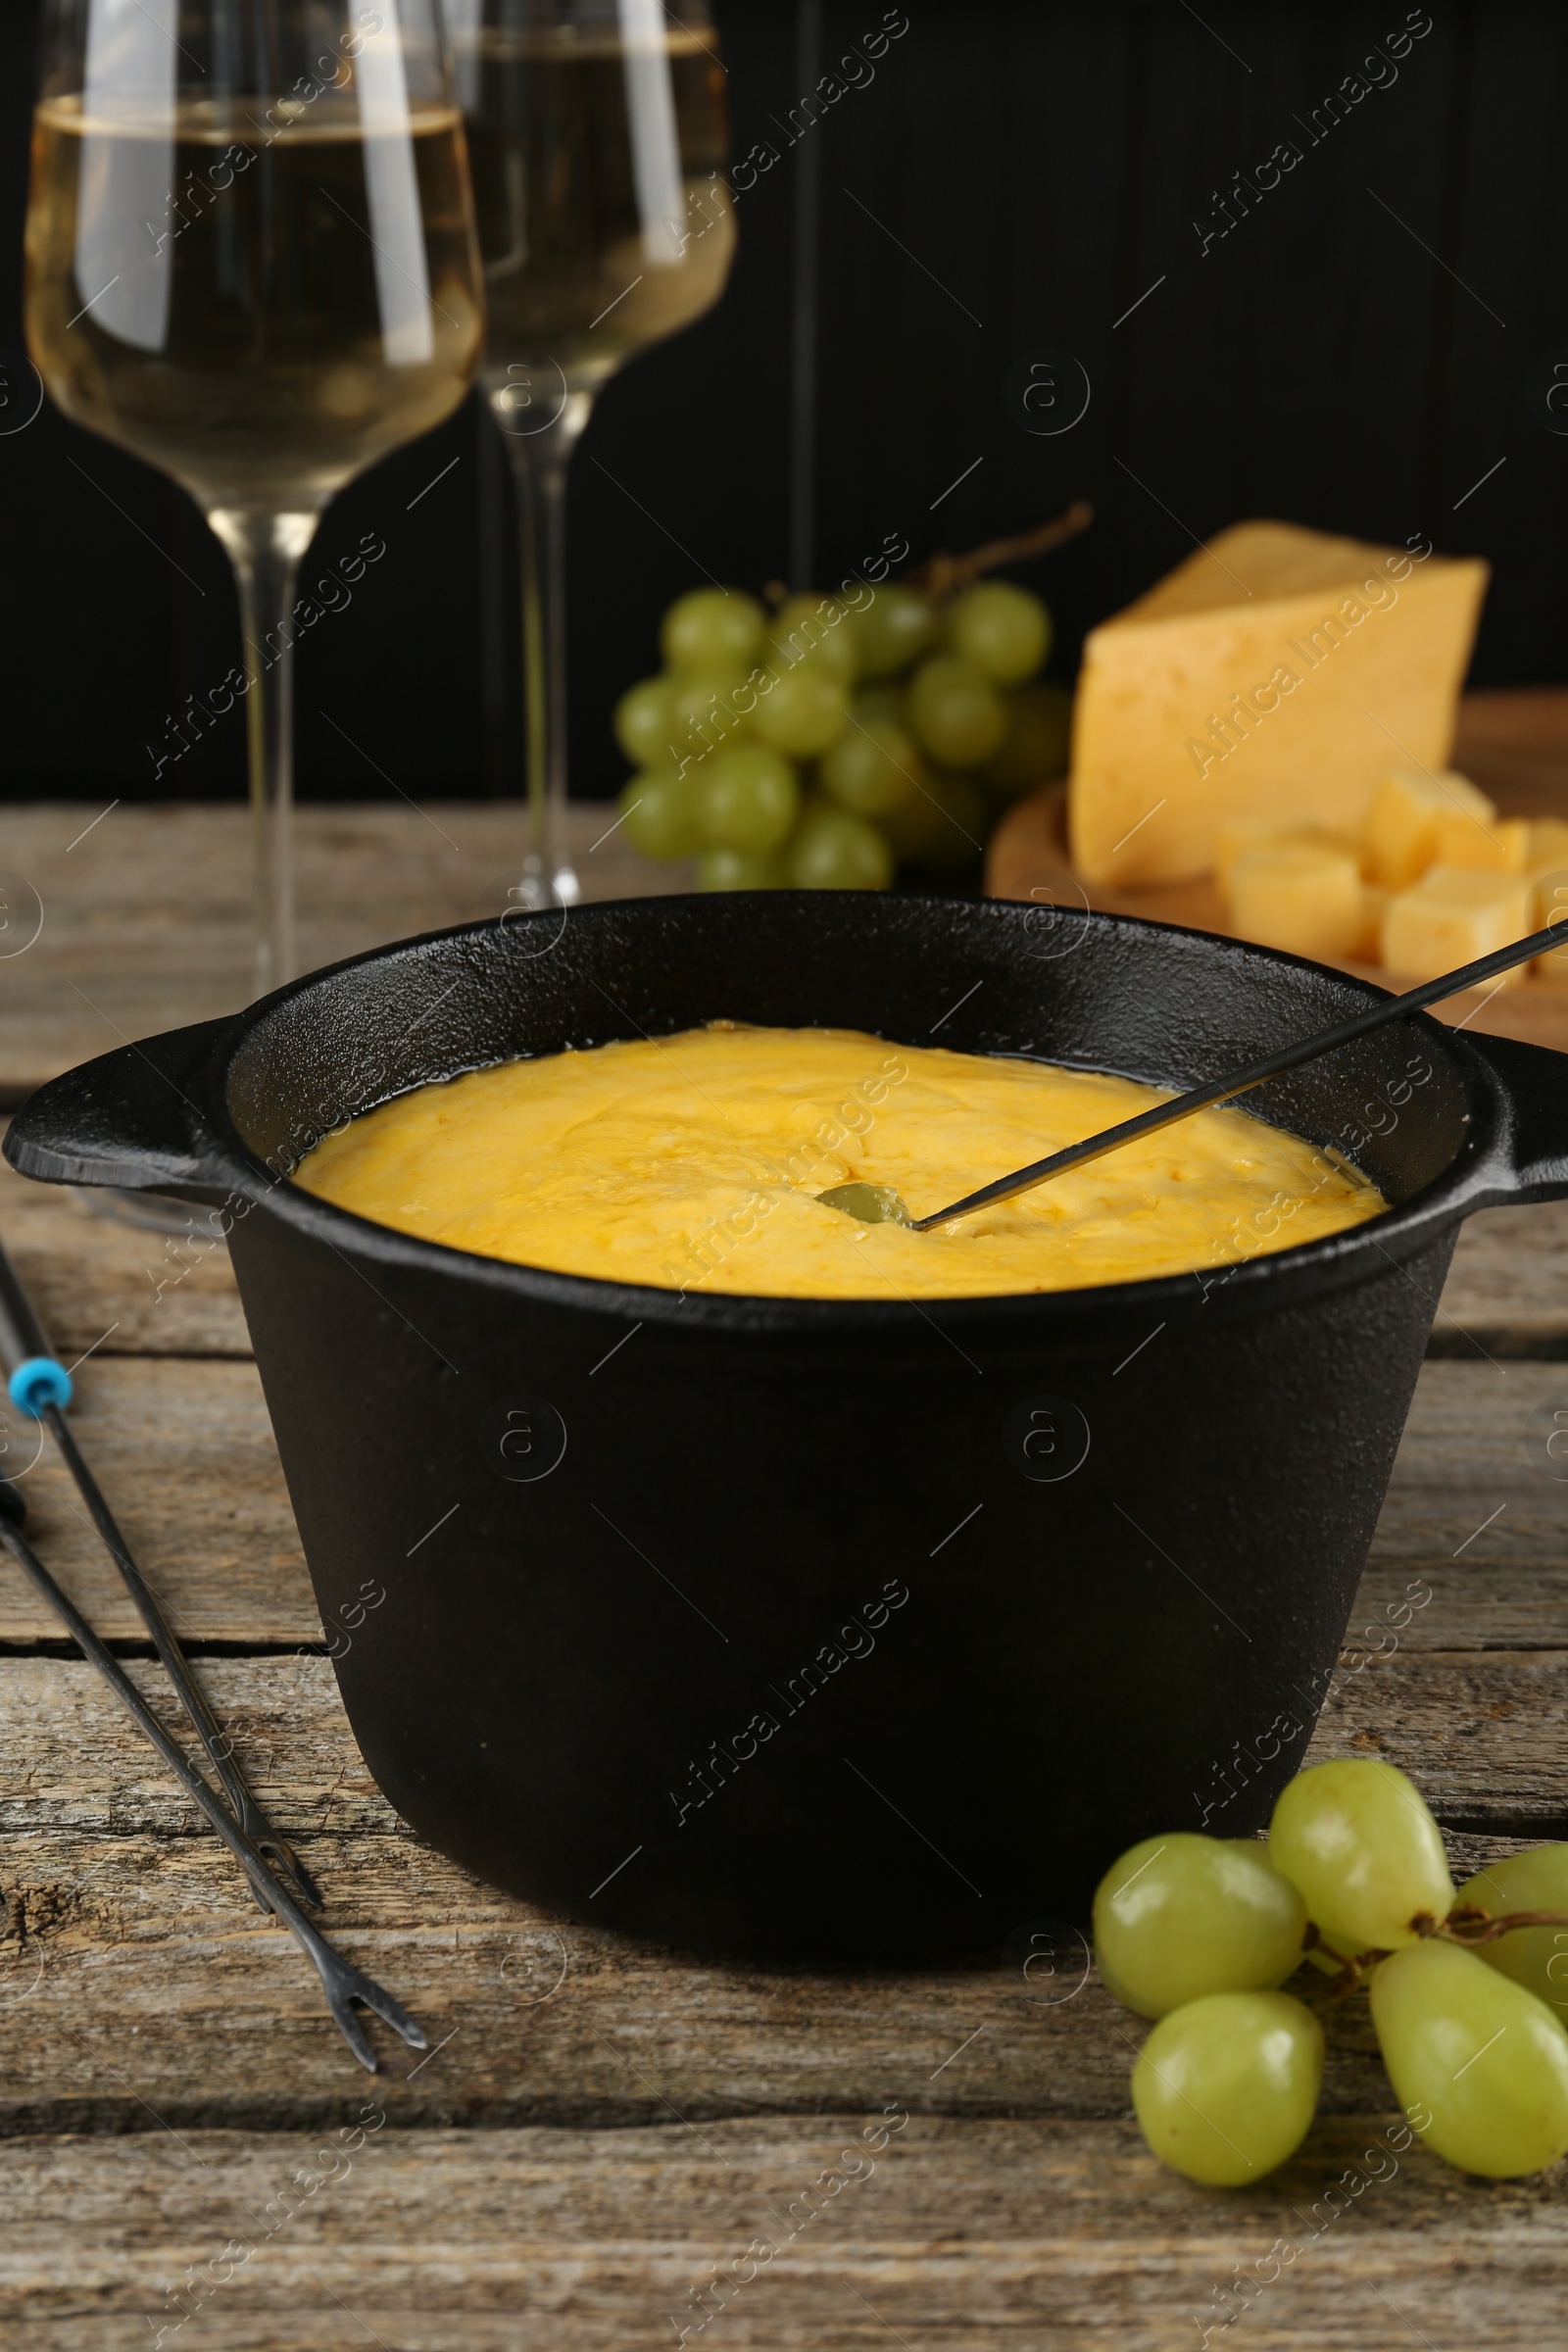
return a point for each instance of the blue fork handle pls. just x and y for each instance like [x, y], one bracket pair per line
[35, 1378]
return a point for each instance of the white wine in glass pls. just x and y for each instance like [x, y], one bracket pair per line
[598, 133]
[250, 261]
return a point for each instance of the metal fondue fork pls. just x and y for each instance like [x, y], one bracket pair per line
[878, 1204]
[341, 1981]
[40, 1386]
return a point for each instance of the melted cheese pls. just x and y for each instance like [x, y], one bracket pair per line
[694, 1162]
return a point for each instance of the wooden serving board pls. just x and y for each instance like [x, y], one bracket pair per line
[1512, 742]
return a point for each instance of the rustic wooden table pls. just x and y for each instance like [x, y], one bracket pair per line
[191, 2153]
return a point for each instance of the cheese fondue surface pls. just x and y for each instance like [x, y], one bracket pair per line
[694, 1162]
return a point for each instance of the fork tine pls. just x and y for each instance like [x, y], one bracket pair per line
[392, 2013]
[349, 2026]
[341, 1981]
[351, 1984]
[278, 1849]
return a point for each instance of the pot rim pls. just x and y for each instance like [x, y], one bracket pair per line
[1476, 1176]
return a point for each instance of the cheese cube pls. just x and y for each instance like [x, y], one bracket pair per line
[1235, 836]
[1374, 905]
[1452, 915]
[1501, 846]
[1263, 677]
[1306, 899]
[1406, 819]
[1241, 834]
[1549, 847]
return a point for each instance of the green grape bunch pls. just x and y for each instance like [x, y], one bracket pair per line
[837, 739]
[1469, 1990]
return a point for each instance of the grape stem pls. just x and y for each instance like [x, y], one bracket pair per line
[1470, 1925]
[1351, 1970]
[1353, 1965]
[941, 573]
[1467, 1926]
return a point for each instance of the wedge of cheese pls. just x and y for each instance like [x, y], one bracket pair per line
[1276, 674]
[1450, 916]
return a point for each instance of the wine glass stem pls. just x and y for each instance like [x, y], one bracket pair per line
[539, 463]
[266, 551]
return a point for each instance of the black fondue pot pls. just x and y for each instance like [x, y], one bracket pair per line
[848, 1629]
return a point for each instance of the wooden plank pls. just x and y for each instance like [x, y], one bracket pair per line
[1473, 1514]
[607, 2120]
[128, 1933]
[1507, 1289]
[146, 917]
[952, 2236]
[100, 1282]
[184, 1451]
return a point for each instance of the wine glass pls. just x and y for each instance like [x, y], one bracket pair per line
[250, 260]
[598, 135]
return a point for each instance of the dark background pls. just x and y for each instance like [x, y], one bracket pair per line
[1043, 166]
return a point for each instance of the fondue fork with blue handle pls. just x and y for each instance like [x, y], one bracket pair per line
[39, 1386]
[879, 1204]
[341, 1981]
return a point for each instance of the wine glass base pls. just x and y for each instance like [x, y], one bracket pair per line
[533, 893]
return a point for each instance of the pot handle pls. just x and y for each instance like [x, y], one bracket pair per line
[131, 1119]
[1534, 1080]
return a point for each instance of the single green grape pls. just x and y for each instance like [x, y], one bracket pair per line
[1355, 1836]
[1038, 740]
[706, 713]
[710, 631]
[1535, 1957]
[1225, 2089]
[659, 813]
[801, 713]
[835, 851]
[813, 628]
[1003, 630]
[894, 628]
[871, 1204]
[1182, 1916]
[747, 799]
[956, 711]
[1483, 2057]
[737, 869]
[642, 722]
[870, 769]
[942, 828]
